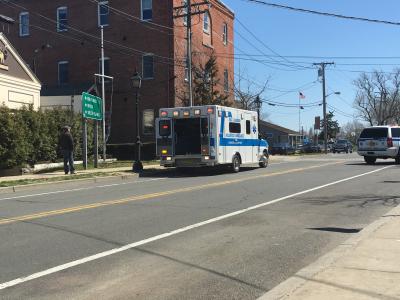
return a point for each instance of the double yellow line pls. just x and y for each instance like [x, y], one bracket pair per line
[151, 196]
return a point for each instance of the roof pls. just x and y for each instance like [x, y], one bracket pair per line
[277, 127]
[18, 58]
[226, 6]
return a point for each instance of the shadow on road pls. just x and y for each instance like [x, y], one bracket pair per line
[191, 172]
[378, 163]
[337, 229]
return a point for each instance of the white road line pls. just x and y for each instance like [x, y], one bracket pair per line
[79, 189]
[171, 233]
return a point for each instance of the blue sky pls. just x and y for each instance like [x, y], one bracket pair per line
[291, 33]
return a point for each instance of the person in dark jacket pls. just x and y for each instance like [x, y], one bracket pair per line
[67, 150]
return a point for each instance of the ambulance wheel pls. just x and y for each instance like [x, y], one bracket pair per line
[397, 160]
[236, 164]
[263, 162]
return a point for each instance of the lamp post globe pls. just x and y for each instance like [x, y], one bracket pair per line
[137, 83]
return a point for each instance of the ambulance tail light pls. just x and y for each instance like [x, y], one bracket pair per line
[389, 142]
[164, 151]
[210, 110]
[164, 113]
[205, 150]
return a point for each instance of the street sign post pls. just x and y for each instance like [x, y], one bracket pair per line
[92, 107]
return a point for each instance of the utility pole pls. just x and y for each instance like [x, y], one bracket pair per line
[322, 72]
[258, 105]
[103, 94]
[188, 16]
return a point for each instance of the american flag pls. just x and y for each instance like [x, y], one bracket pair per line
[301, 95]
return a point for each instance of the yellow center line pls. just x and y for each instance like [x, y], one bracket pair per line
[152, 195]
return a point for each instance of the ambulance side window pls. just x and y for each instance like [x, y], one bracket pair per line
[165, 128]
[248, 131]
[235, 128]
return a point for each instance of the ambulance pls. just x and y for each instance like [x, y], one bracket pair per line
[209, 135]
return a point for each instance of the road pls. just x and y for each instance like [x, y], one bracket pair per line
[200, 235]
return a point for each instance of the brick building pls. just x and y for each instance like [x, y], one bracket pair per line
[60, 40]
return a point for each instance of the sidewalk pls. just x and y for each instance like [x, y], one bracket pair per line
[367, 266]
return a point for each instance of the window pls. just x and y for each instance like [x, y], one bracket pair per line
[103, 13]
[106, 66]
[206, 22]
[147, 10]
[184, 12]
[248, 130]
[186, 69]
[235, 128]
[396, 132]
[24, 24]
[148, 121]
[106, 69]
[225, 34]
[165, 128]
[62, 20]
[374, 133]
[62, 72]
[226, 81]
[148, 66]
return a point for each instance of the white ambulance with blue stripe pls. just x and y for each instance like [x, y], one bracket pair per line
[209, 136]
[379, 142]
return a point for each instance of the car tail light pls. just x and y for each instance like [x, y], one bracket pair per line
[390, 142]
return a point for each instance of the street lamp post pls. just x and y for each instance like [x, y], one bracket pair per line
[137, 83]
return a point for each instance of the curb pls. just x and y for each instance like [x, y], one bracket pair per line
[17, 188]
[295, 282]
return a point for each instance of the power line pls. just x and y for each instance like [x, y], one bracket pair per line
[325, 14]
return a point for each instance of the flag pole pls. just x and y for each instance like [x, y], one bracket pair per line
[299, 115]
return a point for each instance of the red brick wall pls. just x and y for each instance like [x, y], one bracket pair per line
[202, 49]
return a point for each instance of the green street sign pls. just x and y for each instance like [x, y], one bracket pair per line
[92, 107]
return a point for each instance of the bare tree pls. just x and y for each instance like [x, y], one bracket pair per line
[352, 130]
[246, 93]
[378, 97]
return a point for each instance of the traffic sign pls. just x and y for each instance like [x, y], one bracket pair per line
[92, 107]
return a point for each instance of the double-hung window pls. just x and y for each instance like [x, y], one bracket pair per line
[103, 13]
[148, 66]
[225, 34]
[24, 24]
[206, 22]
[226, 81]
[63, 73]
[147, 10]
[62, 19]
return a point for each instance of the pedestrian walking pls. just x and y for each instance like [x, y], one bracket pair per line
[67, 149]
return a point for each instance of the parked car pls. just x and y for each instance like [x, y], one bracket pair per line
[309, 148]
[282, 148]
[379, 142]
[342, 146]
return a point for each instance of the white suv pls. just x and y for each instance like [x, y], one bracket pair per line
[379, 142]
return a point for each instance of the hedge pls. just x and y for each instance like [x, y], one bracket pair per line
[28, 136]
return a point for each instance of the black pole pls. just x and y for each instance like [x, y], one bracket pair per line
[137, 166]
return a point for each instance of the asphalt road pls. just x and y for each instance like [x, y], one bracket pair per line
[201, 235]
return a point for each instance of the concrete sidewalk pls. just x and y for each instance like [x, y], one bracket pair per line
[367, 266]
